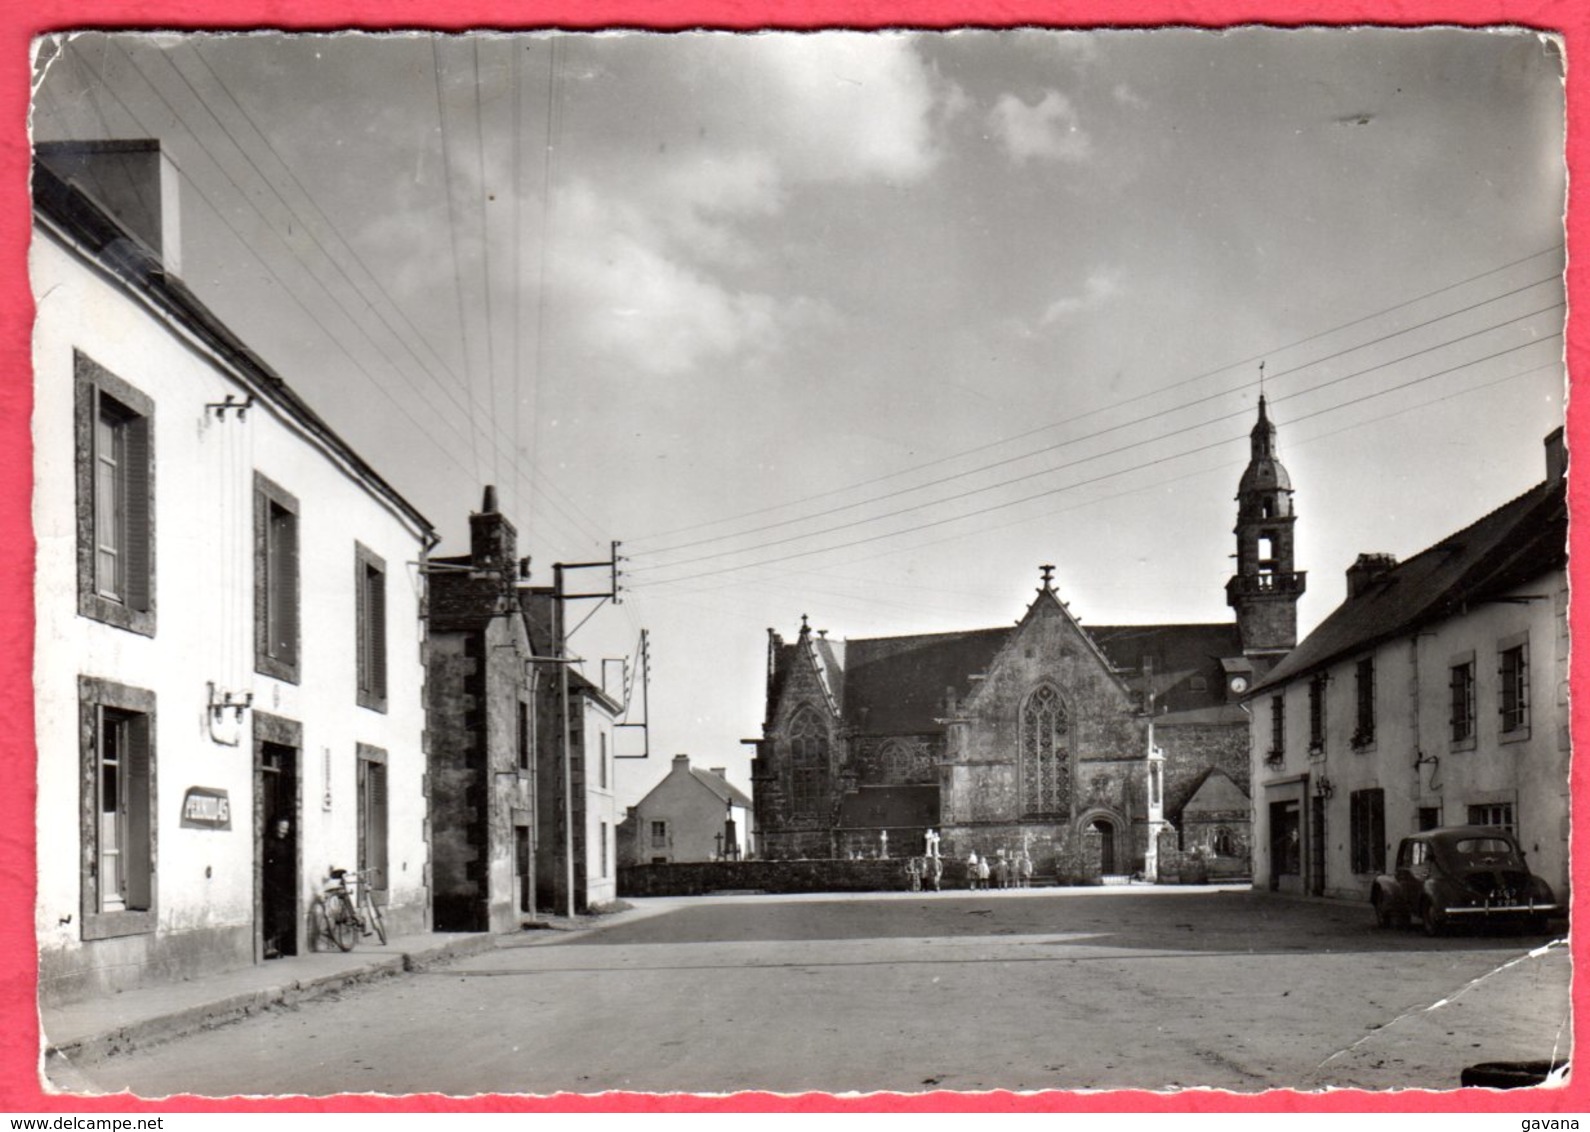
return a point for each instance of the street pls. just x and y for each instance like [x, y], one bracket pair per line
[1023, 990]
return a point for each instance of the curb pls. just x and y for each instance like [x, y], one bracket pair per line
[207, 1016]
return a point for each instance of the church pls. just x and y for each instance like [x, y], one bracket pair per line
[1093, 750]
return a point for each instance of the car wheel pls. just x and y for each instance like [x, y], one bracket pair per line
[1432, 919]
[1536, 925]
[1383, 917]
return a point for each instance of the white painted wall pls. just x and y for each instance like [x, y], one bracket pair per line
[204, 579]
[601, 804]
[1412, 716]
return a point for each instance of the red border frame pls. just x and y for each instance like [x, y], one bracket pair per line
[19, 1037]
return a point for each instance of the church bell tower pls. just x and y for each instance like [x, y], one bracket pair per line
[1265, 588]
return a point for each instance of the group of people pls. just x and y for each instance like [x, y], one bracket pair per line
[1000, 870]
[925, 872]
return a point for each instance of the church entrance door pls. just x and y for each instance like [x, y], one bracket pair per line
[1106, 832]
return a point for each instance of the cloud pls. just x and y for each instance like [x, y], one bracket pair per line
[1099, 288]
[1048, 130]
[1126, 96]
[847, 106]
[652, 244]
[623, 293]
[663, 201]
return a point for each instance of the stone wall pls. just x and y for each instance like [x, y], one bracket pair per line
[695, 878]
[779, 832]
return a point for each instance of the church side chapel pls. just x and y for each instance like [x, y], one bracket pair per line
[1096, 751]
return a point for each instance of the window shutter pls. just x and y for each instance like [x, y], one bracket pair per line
[375, 865]
[138, 853]
[138, 567]
[1377, 830]
[289, 565]
[377, 614]
[361, 622]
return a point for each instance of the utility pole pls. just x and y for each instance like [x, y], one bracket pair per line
[561, 634]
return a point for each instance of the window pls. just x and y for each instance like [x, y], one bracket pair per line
[1316, 713]
[1493, 813]
[808, 743]
[1277, 750]
[372, 818]
[369, 570]
[604, 850]
[523, 735]
[1369, 831]
[1045, 753]
[1514, 697]
[659, 835]
[275, 581]
[115, 500]
[118, 809]
[1429, 817]
[1364, 694]
[895, 762]
[1462, 686]
[603, 738]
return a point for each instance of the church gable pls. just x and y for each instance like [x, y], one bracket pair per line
[1050, 650]
[801, 748]
[1041, 734]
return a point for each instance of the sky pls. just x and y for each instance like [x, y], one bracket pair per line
[869, 326]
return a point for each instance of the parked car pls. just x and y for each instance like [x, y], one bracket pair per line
[1462, 874]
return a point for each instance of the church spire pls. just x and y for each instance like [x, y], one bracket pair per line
[1265, 588]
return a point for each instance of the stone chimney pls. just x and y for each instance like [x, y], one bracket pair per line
[132, 180]
[720, 772]
[493, 543]
[681, 762]
[1556, 455]
[1366, 571]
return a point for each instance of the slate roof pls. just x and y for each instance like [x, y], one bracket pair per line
[140, 271]
[579, 685]
[1513, 545]
[722, 787]
[1181, 653]
[898, 685]
[890, 807]
[1213, 791]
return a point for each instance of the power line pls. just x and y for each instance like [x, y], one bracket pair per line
[763, 581]
[1081, 483]
[452, 237]
[494, 432]
[485, 248]
[1093, 412]
[1097, 456]
[1168, 411]
[286, 287]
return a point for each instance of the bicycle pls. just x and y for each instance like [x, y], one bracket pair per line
[349, 916]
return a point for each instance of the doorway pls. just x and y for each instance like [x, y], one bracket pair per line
[1106, 831]
[371, 849]
[1285, 845]
[276, 849]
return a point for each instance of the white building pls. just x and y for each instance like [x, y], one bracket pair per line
[1436, 694]
[228, 676]
[691, 815]
[594, 713]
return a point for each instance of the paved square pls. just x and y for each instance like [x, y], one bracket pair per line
[1024, 990]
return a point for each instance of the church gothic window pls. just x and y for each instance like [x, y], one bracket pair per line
[808, 744]
[896, 763]
[1045, 758]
